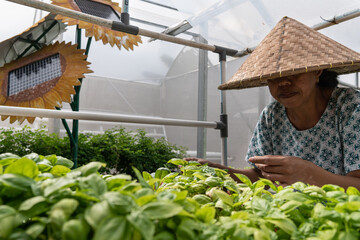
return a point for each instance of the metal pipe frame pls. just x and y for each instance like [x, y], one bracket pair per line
[119, 26]
[337, 19]
[108, 117]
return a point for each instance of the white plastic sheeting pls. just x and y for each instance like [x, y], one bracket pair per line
[160, 78]
[236, 24]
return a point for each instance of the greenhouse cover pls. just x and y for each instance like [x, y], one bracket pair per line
[160, 79]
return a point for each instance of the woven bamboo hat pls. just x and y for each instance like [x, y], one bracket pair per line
[292, 48]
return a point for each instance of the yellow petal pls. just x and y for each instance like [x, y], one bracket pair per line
[53, 98]
[37, 103]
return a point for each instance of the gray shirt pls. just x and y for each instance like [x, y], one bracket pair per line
[333, 143]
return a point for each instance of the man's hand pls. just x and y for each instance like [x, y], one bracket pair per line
[285, 169]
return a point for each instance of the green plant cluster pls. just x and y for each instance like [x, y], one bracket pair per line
[119, 149]
[192, 201]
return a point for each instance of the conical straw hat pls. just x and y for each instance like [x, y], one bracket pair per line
[292, 48]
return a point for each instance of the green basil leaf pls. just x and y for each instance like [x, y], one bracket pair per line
[352, 191]
[164, 235]
[354, 219]
[320, 212]
[52, 158]
[8, 155]
[35, 230]
[141, 201]
[206, 214]
[64, 162]
[142, 224]
[96, 213]
[114, 228]
[68, 205]
[93, 182]
[44, 165]
[117, 181]
[185, 231]
[160, 210]
[13, 184]
[332, 187]
[166, 196]
[120, 203]
[7, 221]
[265, 182]
[260, 206]
[23, 166]
[285, 224]
[147, 176]
[170, 177]
[33, 156]
[295, 196]
[75, 229]
[300, 186]
[56, 184]
[290, 206]
[140, 178]
[339, 196]
[200, 175]
[226, 198]
[315, 191]
[349, 235]
[143, 192]
[57, 219]
[347, 207]
[327, 234]
[34, 206]
[90, 168]
[7, 161]
[161, 172]
[177, 161]
[180, 195]
[59, 170]
[244, 179]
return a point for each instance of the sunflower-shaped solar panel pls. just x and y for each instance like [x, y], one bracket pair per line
[43, 79]
[99, 8]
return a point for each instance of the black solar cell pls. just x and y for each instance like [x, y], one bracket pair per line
[34, 74]
[97, 9]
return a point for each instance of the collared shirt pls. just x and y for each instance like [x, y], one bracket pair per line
[333, 143]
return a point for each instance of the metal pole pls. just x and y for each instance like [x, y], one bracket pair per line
[337, 19]
[125, 12]
[202, 99]
[223, 116]
[119, 26]
[108, 117]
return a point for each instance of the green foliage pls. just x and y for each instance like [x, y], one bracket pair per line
[83, 204]
[119, 149]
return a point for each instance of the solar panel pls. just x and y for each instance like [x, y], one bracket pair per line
[33, 74]
[97, 9]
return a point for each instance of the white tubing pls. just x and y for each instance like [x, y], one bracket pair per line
[109, 117]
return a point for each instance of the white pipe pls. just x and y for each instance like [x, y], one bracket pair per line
[108, 23]
[109, 117]
[338, 19]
